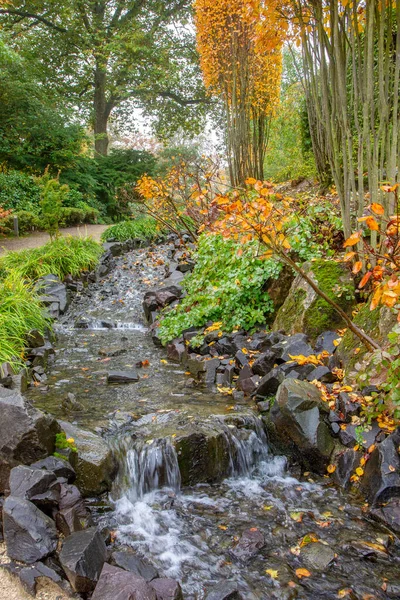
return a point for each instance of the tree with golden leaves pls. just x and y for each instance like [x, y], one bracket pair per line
[240, 43]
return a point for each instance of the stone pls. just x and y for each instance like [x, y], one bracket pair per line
[248, 546]
[211, 367]
[322, 374]
[95, 465]
[30, 535]
[317, 556]
[225, 346]
[26, 434]
[381, 480]
[176, 351]
[264, 363]
[82, 557]
[71, 404]
[72, 515]
[117, 584]
[296, 345]
[228, 375]
[38, 486]
[128, 560]
[250, 386]
[263, 406]
[305, 311]
[122, 377]
[352, 435]
[297, 424]
[112, 351]
[203, 456]
[167, 589]
[388, 514]
[150, 304]
[325, 342]
[1, 518]
[270, 383]
[52, 287]
[196, 365]
[346, 407]
[32, 575]
[35, 339]
[241, 358]
[225, 590]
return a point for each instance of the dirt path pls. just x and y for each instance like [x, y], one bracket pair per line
[34, 240]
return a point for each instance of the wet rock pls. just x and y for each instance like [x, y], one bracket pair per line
[82, 557]
[122, 377]
[381, 480]
[60, 468]
[263, 406]
[168, 294]
[241, 358]
[295, 345]
[95, 465]
[196, 365]
[117, 584]
[71, 404]
[325, 342]
[41, 356]
[35, 339]
[54, 291]
[297, 425]
[39, 572]
[167, 589]
[388, 514]
[226, 590]
[264, 363]
[38, 486]
[211, 367]
[26, 434]
[30, 535]
[249, 545]
[150, 304]
[72, 515]
[228, 374]
[2, 499]
[250, 386]
[322, 374]
[6, 375]
[225, 346]
[128, 560]
[353, 435]
[115, 248]
[269, 384]
[176, 351]
[346, 407]
[317, 556]
[203, 456]
[112, 351]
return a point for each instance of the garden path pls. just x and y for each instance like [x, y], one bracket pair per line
[39, 238]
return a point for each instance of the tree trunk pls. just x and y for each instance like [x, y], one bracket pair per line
[101, 112]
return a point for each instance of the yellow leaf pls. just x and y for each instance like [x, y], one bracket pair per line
[70, 440]
[352, 240]
[331, 468]
[223, 527]
[265, 507]
[297, 516]
[359, 471]
[164, 362]
[391, 468]
[272, 573]
[377, 208]
[357, 267]
[372, 224]
[303, 573]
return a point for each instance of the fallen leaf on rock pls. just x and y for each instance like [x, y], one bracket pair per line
[331, 468]
[344, 592]
[309, 538]
[163, 361]
[272, 573]
[303, 573]
[297, 516]
[223, 527]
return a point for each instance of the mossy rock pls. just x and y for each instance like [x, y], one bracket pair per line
[305, 312]
[376, 323]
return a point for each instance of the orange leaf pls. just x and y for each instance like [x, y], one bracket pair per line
[349, 256]
[372, 224]
[365, 279]
[303, 573]
[357, 267]
[377, 208]
[375, 298]
[353, 239]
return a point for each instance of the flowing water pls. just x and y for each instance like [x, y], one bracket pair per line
[190, 532]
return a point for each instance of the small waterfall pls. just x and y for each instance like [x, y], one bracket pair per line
[151, 466]
[247, 445]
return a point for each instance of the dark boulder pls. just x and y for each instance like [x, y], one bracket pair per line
[322, 374]
[117, 584]
[82, 557]
[72, 515]
[167, 589]
[352, 435]
[38, 486]
[297, 424]
[388, 514]
[226, 590]
[381, 480]
[347, 407]
[130, 561]
[176, 351]
[248, 546]
[59, 467]
[95, 465]
[264, 363]
[325, 342]
[37, 573]
[26, 434]
[296, 345]
[270, 383]
[150, 304]
[30, 535]
[122, 377]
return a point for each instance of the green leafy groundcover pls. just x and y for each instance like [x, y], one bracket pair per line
[228, 285]
[143, 228]
[63, 256]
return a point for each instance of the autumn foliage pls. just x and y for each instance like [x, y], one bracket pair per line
[240, 43]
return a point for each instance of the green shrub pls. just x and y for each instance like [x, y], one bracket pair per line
[76, 216]
[63, 256]
[143, 228]
[20, 311]
[228, 285]
[27, 221]
[19, 192]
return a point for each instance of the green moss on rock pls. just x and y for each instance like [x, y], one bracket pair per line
[305, 311]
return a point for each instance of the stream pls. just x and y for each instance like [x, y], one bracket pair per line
[194, 533]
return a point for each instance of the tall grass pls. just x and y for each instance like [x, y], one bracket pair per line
[63, 256]
[20, 312]
[142, 228]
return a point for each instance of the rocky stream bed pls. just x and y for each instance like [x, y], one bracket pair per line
[180, 479]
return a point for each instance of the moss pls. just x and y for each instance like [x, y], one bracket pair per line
[290, 311]
[333, 280]
[368, 321]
